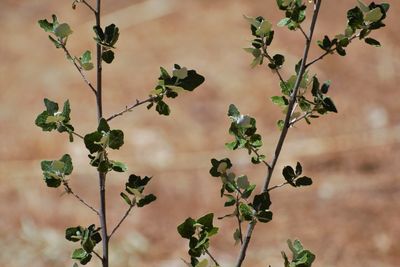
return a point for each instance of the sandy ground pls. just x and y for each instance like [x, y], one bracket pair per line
[349, 217]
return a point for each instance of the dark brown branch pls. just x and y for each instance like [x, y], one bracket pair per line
[213, 259]
[69, 191]
[121, 221]
[127, 109]
[277, 186]
[292, 101]
[89, 6]
[80, 70]
[78, 135]
[303, 32]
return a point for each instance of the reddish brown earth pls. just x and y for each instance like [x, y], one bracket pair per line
[349, 217]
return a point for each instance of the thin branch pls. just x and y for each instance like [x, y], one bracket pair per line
[69, 191]
[330, 51]
[80, 70]
[271, 60]
[277, 186]
[294, 121]
[121, 221]
[302, 31]
[97, 254]
[89, 6]
[258, 155]
[211, 256]
[78, 135]
[292, 101]
[127, 109]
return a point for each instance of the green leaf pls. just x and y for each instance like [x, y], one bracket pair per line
[81, 255]
[206, 221]
[373, 15]
[264, 216]
[85, 60]
[45, 25]
[355, 18]
[67, 160]
[288, 173]
[264, 28]
[126, 198]
[192, 80]
[146, 200]
[325, 87]
[219, 167]
[280, 124]
[299, 169]
[243, 182]
[246, 211]
[62, 30]
[364, 8]
[329, 105]
[231, 200]
[372, 42]
[303, 181]
[261, 201]
[73, 234]
[116, 139]
[187, 229]
[51, 107]
[180, 73]
[284, 22]
[91, 142]
[108, 56]
[111, 35]
[233, 111]
[162, 108]
[118, 166]
[247, 192]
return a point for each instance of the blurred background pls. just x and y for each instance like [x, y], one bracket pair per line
[349, 217]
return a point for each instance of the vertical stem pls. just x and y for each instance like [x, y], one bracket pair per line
[102, 175]
[292, 101]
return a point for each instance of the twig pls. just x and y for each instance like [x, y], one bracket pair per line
[127, 109]
[305, 115]
[292, 101]
[302, 31]
[80, 70]
[78, 135]
[69, 191]
[271, 60]
[89, 6]
[277, 186]
[97, 254]
[258, 155]
[327, 53]
[211, 256]
[121, 221]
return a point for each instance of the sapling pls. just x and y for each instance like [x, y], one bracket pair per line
[303, 98]
[56, 172]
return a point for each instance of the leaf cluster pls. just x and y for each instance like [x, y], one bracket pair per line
[169, 86]
[293, 176]
[97, 143]
[361, 21]
[243, 128]
[295, 13]
[107, 38]
[60, 31]
[54, 119]
[88, 237]
[134, 188]
[237, 190]
[300, 257]
[55, 171]
[198, 232]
